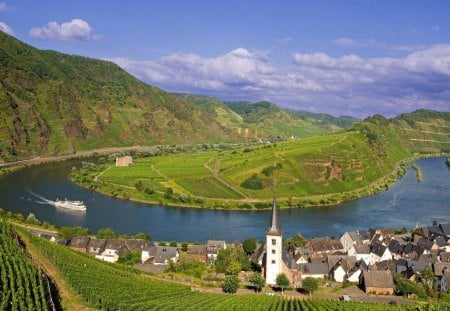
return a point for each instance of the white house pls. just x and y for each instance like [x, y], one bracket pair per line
[159, 255]
[361, 252]
[379, 252]
[113, 250]
[212, 249]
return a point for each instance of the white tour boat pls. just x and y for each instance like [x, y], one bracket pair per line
[73, 205]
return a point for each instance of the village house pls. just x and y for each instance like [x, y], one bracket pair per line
[377, 282]
[322, 247]
[379, 252]
[360, 252]
[317, 270]
[96, 246]
[79, 243]
[212, 249]
[114, 249]
[159, 255]
[352, 238]
[339, 266]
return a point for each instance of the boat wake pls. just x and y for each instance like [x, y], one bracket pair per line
[66, 204]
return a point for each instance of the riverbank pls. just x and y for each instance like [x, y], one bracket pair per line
[89, 180]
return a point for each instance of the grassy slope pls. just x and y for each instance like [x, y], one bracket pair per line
[311, 167]
[53, 103]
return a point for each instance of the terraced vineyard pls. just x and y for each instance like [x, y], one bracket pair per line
[113, 287]
[21, 282]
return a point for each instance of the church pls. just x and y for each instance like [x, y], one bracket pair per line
[274, 264]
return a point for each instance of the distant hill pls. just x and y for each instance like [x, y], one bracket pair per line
[53, 103]
[264, 119]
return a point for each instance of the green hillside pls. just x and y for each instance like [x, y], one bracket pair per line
[264, 120]
[318, 170]
[52, 103]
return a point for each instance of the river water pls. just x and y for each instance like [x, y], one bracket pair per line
[406, 203]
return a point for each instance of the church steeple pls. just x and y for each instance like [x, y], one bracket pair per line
[274, 228]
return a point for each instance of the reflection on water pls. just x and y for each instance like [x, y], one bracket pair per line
[406, 203]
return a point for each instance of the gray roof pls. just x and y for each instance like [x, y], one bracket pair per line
[96, 243]
[378, 279]
[359, 236]
[162, 253]
[274, 228]
[325, 244]
[378, 249]
[135, 245]
[362, 249]
[79, 241]
[314, 268]
[115, 244]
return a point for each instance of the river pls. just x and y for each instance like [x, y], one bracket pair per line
[405, 204]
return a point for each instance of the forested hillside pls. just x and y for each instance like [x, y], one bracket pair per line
[52, 103]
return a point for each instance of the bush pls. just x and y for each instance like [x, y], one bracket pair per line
[407, 287]
[230, 284]
[253, 183]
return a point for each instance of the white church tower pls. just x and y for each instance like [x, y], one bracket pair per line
[273, 247]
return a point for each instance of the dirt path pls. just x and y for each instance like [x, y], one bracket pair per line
[70, 300]
[215, 173]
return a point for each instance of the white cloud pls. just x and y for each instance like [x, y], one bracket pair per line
[6, 28]
[346, 85]
[77, 29]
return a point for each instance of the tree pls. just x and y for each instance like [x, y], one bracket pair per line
[258, 281]
[173, 244]
[230, 284]
[106, 233]
[184, 246]
[427, 279]
[282, 281]
[310, 284]
[144, 236]
[31, 219]
[249, 245]
[232, 254]
[297, 240]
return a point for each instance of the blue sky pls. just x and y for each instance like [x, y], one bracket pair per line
[341, 57]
